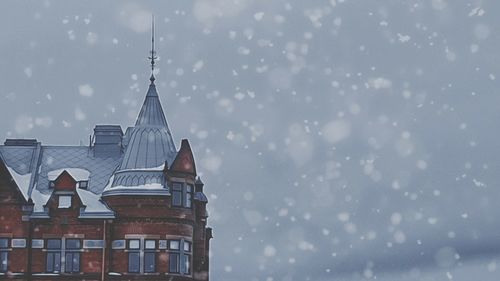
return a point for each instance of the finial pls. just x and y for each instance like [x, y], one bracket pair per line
[153, 56]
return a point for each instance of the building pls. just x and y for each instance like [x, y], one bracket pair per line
[129, 206]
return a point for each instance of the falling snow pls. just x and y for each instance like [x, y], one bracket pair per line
[338, 140]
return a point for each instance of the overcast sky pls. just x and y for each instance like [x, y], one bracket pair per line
[338, 140]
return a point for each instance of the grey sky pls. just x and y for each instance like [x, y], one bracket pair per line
[337, 139]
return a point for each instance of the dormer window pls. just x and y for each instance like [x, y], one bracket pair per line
[64, 202]
[83, 184]
[52, 184]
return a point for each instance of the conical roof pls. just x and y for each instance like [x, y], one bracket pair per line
[151, 113]
[150, 143]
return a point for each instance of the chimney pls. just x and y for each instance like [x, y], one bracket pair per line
[108, 141]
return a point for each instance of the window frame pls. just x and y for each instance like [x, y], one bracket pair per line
[66, 206]
[4, 255]
[72, 252]
[177, 191]
[188, 200]
[83, 184]
[134, 253]
[53, 254]
[148, 252]
[182, 195]
[145, 256]
[179, 261]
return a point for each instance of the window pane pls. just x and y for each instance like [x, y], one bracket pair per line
[177, 198]
[50, 262]
[73, 244]
[69, 263]
[53, 262]
[4, 243]
[64, 201]
[150, 244]
[185, 264]
[133, 262]
[134, 244]
[57, 262]
[177, 186]
[93, 244]
[54, 244]
[118, 244]
[83, 184]
[174, 263]
[72, 262]
[76, 262]
[187, 246]
[3, 261]
[188, 200]
[149, 262]
[174, 245]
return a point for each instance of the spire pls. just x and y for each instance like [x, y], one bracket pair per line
[150, 142]
[153, 56]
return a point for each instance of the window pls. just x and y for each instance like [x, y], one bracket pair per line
[189, 195]
[118, 245]
[93, 244]
[134, 256]
[83, 184]
[37, 243]
[64, 201]
[4, 254]
[150, 256]
[177, 194]
[180, 257]
[18, 243]
[72, 258]
[141, 255]
[186, 258]
[182, 197]
[54, 255]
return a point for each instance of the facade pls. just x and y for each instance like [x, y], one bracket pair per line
[127, 207]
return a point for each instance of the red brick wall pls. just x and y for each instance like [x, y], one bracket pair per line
[11, 224]
[148, 215]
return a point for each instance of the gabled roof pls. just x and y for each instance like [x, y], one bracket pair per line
[21, 181]
[31, 167]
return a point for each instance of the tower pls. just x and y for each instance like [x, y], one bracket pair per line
[158, 200]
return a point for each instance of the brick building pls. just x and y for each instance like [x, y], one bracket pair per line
[127, 207]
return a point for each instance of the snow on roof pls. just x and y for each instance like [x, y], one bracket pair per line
[39, 200]
[77, 174]
[148, 186]
[22, 181]
[142, 189]
[92, 202]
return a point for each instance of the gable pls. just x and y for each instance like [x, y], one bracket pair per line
[13, 184]
[184, 161]
[65, 182]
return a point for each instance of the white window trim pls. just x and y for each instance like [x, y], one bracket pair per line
[18, 243]
[63, 204]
